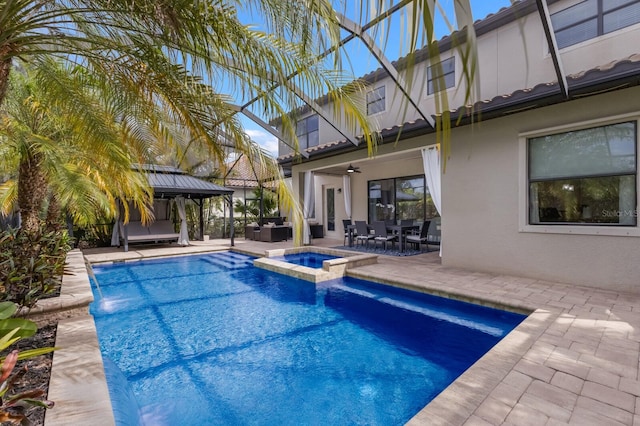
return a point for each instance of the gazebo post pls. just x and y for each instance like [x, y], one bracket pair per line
[231, 228]
[261, 204]
[201, 219]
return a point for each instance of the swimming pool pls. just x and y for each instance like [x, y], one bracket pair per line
[209, 339]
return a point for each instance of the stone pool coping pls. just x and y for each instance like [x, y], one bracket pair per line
[331, 268]
[78, 383]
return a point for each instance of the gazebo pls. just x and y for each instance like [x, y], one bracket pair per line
[171, 183]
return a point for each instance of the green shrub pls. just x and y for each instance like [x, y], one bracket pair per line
[97, 235]
[32, 266]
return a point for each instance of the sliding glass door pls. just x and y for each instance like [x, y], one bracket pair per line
[402, 198]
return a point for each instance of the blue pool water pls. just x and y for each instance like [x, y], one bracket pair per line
[211, 340]
[312, 260]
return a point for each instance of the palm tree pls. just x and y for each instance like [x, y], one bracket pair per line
[59, 160]
[252, 208]
[170, 57]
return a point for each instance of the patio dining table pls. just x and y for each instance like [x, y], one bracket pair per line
[401, 230]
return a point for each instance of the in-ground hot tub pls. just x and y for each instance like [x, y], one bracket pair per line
[313, 264]
[310, 259]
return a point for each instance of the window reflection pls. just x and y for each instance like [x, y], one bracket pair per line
[586, 176]
[404, 198]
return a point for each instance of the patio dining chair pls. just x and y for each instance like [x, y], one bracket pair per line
[430, 234]
[381, 234]
[420, 238]
[345, 224]
[363, 233]
[404, 222]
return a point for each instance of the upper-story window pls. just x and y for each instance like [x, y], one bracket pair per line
[441, 76]
[585, 176]
[593, 18]
[376, 100]
[307, 131]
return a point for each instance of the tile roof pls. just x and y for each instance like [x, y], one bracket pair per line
[614, 75]
[240, 174]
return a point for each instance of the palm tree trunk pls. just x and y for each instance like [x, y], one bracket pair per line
[32, 189]
[5, 70]
[54, 215]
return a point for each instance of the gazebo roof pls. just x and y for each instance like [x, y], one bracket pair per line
[169, 182]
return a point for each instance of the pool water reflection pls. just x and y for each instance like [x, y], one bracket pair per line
[212, 340]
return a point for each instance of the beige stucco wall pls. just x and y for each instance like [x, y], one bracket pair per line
[481, 193]
[481, 204]
[389, 168]
[483, 187]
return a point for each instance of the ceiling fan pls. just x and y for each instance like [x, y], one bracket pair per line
[352, 169]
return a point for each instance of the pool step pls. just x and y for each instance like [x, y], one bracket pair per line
[229, 260]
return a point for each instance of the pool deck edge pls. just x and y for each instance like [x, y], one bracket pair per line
[78, 385]
[461, 399]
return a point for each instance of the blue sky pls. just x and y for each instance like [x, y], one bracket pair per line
[358, 59]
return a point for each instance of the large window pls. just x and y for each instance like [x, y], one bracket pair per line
[376, 101]
[593, 18]
[400, 198]
[441, 76]
[584, 177]
[307, 132]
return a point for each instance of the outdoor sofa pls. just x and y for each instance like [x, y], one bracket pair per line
[158, 231]
[273, 229]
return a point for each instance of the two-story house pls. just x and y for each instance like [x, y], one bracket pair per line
[542, 178]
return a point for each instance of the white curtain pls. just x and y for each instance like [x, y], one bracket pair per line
[431, 164]
[115, 233]
[346, 190]
[308, 206]
[184, 233]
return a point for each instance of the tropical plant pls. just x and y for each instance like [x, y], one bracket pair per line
[12, 405]
[138, 52]
[31, 269]
[58, 160]
[252, 207]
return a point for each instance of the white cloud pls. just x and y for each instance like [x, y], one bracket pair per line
[265, 139]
